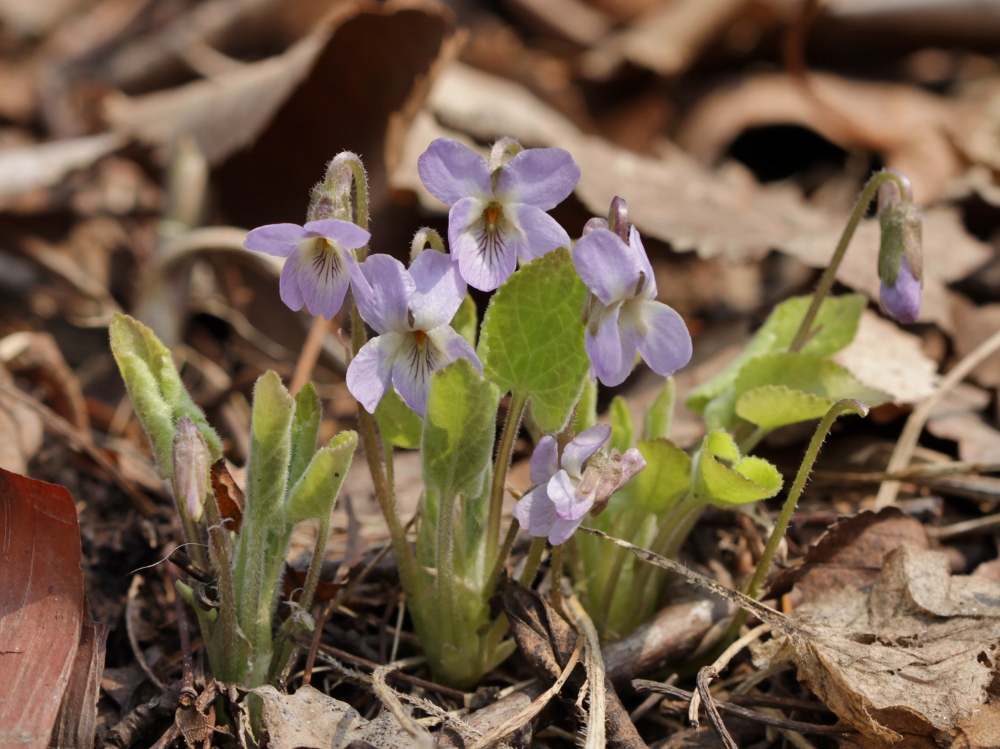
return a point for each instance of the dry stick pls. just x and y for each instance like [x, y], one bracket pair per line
[387, 695]
[140, 721]
[314, 643]
[133, 639]
[537, 705]
[309, 355]
[728, 707]
[188, 693]
[82, 441]
[705, 676]
[416, 681]
[722, 662]
[596, 724]
[921, 473]
[907, 443]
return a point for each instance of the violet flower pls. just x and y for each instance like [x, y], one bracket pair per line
[498, 217]
[411, 310]
[565, 491]
[901, 301]
[622, 315]
[318, 261]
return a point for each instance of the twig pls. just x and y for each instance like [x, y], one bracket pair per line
[188, 693]
[131, 611]
[420, 735]
[643, 685]
[903, 452]
[722, 662]
[964, 528]
[314, 643]
[137, 723]
[705, 676]
[309, 354]
[396, 675]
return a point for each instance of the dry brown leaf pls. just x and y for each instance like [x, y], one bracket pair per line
[21, 428]
[666, 40]
[889, 359]
[310, 719]
[912, 654]
[37, 355]
[42, 607]
[74, 727]
[959, 417]
[574, 20]
[675, 199]
[973, 325]
[910, 128]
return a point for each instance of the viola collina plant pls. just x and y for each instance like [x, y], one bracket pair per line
[433, 377]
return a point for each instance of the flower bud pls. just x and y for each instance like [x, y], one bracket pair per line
[900, 261]
[191, 461]
[594, 223]
[618, 218]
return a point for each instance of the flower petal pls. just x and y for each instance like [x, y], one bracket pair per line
[535, 232]
[439, 292]
[485, 260]
[369, 373]
[322, 276]
[288, 284]
[383, 293]
[648, 290]
[582, 446]
[347, 234]
[542, 177]
[563, 530]
[450, 345]
[570, 504]
[535, 512]
[607, 265]
[663, 339]
[902, 300]
[611, 354]
[452, 171]
[544, 460]
[411, 371]
[275, 239]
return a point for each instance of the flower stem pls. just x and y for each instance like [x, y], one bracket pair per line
[869, 191]
[533, 562]
[510, 428]
[752, 588]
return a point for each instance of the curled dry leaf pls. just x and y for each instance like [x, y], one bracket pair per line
[674, 198]
[42, 608]
[37, 355]
[912, 654]
[22, 429]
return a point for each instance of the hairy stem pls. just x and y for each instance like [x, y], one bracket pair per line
[510, 428]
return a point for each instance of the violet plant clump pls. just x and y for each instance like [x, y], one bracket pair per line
[434, 377]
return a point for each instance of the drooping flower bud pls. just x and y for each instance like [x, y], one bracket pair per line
[424, 238]
[900, 261]
[191, 466]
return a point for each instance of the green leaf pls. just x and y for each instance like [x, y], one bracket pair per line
[664, 480]
[746, 480]
[270, 448]
[466, 322]
[154, 385]
[315, 493]
[459, 430]
[809, 373]
[622, 428]
[305, 431]
[531, 341]
[586, 407]
[399, 424]
[836, 325]
[660, 413]
[773, 406]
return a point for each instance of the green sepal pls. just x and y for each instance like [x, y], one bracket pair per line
[154, 385]
[305, 431]
[399, 424]
[459, 430]
[466, 320]
[315, 493]
[622, 428]
[531, 341]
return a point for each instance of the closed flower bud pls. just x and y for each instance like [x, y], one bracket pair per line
[191, 466]
[900, 261]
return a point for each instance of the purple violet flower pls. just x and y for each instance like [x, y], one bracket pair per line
[500, 217]
[623, 315]
[318, 261]
[411, 310]
[901, 301]
[565, 491]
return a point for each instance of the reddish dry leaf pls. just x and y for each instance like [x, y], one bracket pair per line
[228, 494]
[78, 714]
[41, 606]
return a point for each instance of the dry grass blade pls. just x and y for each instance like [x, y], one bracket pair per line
[512, 724]
[767, 615]
[596, 724]
[421, 736]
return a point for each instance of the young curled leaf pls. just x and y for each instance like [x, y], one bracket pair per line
[315, 493]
